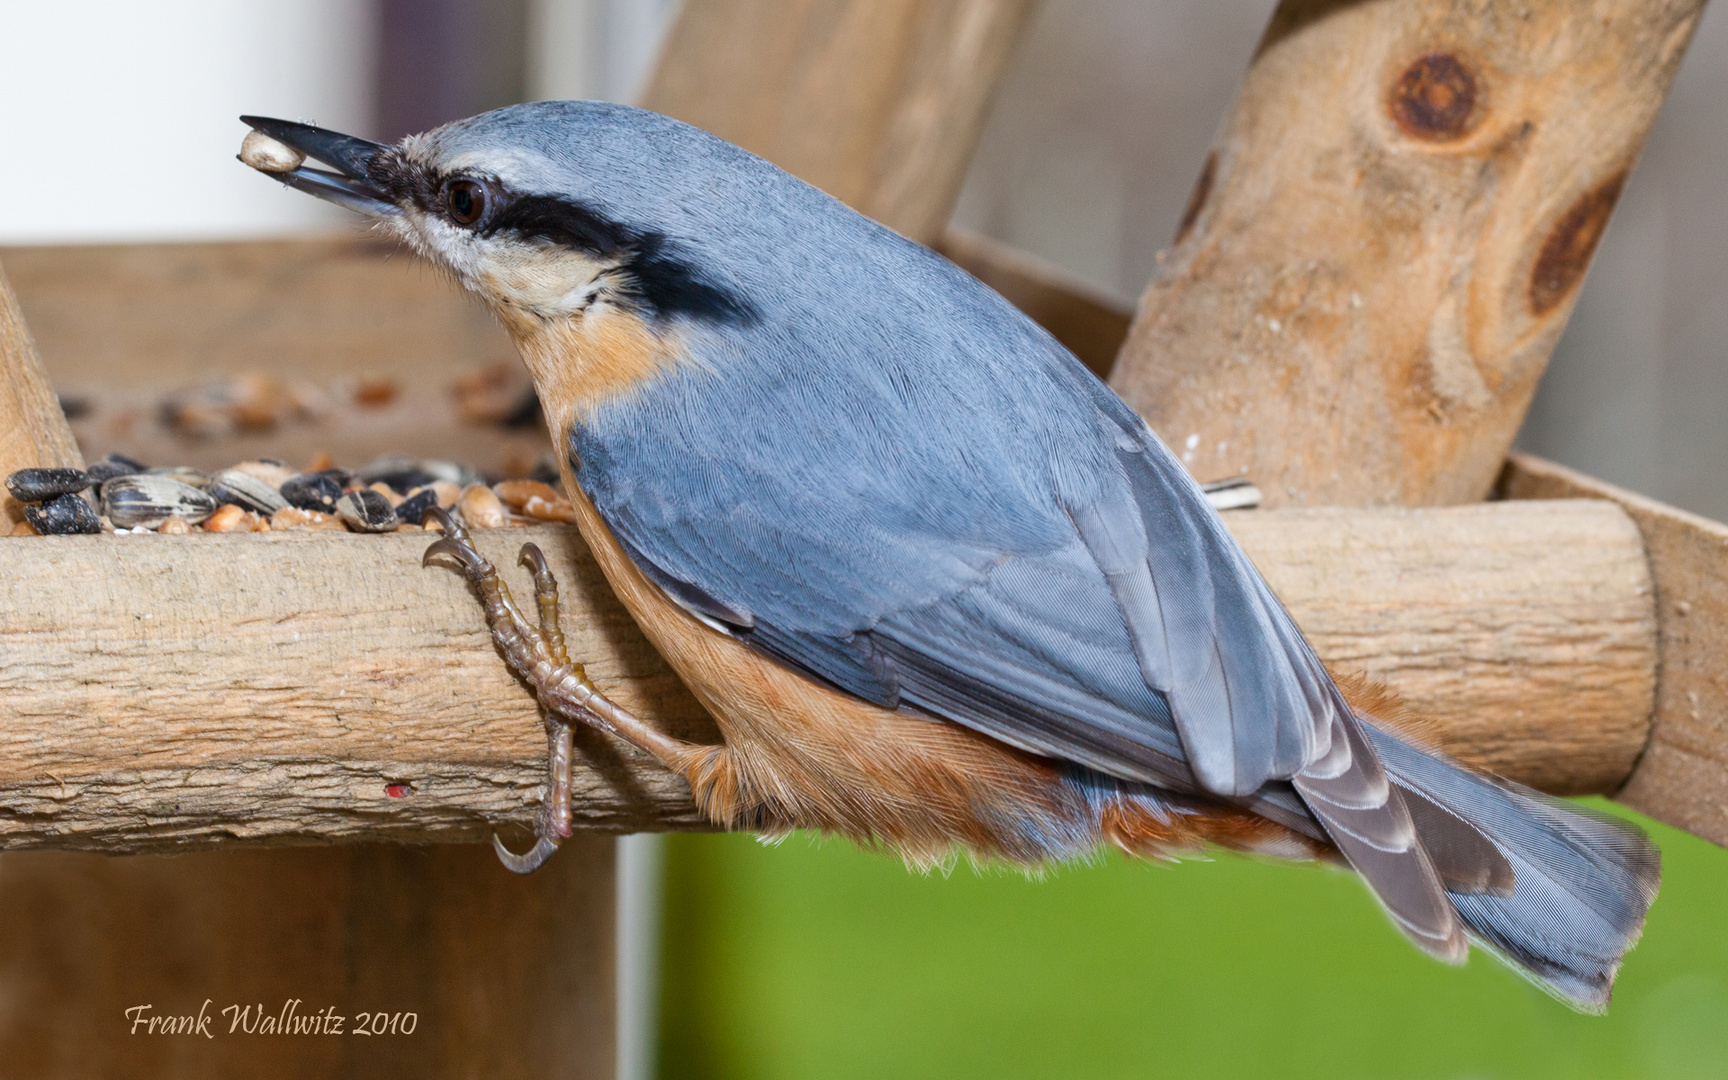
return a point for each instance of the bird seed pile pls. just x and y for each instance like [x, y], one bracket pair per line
[265, 495]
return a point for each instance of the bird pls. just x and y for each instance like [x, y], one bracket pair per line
[940, 588]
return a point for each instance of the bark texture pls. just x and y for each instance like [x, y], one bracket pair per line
[1387, 238]
[166, 692]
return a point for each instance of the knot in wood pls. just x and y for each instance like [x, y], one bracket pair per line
[1566, 253]
[1435, 99]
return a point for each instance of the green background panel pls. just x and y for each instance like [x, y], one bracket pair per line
[812, 959]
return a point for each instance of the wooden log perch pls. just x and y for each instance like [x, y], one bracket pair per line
[1683, 776]
[197, 690]
[1388, 236]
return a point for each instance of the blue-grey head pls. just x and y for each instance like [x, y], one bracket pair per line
[593, 230]
[552, 206]
[617, 245]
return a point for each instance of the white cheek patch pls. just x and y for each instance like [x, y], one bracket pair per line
[546, 280]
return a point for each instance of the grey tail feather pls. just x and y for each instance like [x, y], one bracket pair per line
[1579, 886]
[1367, 817]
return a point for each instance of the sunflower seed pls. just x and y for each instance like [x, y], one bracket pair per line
[40, 485]
[64, 515]
[316, 491]
[114, 465]
[268, 155]
[149, 499]
[247, 491]
[413, 508]
[366, 510]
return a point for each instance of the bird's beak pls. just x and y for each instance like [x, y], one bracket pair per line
[351, 185]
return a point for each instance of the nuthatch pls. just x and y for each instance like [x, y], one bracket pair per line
[938, 586]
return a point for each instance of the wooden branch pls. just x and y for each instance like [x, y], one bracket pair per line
[1388, 236]
[178, 689]
[33, 431]
[162, 692]
[1683, 776]
[878, 102]
[1525, 634]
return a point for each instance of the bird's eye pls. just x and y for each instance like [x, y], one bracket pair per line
[465, 200]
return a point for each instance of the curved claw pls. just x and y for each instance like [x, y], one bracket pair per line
[533, 558]
[528, 863]
[447, 524]
[462, 553]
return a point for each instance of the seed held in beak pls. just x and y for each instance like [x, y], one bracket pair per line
[268, 155]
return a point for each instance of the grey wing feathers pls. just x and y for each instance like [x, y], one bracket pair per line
[1250, 699]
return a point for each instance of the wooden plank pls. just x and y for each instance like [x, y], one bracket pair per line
[1091, 325]
[1388, 236]
[121, 327]
[507, 976]
[1683, 776]
[184, 691]
[151, 315]
[878, 102]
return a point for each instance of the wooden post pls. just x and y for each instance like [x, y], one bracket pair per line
[1682, 777]
[32, 429]
[467, 969]
[1388, 236]
[507, 977]
[877, 102]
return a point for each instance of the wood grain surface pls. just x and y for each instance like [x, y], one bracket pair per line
[32, 430]
[880, 103]
[1683, 776]
[166, 692]
[506, 976]
[1388, 236]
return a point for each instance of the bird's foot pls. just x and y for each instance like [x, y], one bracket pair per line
[537, 654]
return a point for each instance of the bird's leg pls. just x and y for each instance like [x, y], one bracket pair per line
[538, 655]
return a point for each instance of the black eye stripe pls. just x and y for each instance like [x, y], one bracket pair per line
[566, 222]
[651, 270]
